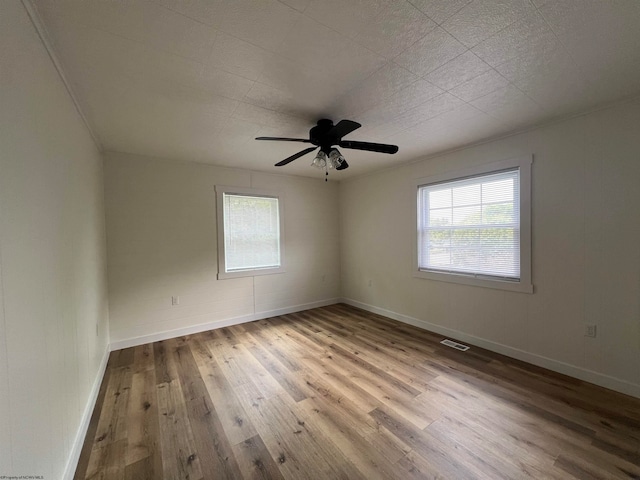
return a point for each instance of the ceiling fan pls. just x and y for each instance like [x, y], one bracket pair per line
[326, 135]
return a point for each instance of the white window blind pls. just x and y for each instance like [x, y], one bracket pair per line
[471, 226]
[251, 232]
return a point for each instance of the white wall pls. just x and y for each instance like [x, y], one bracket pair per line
[586, 251]
[53, 306]
[161, 241]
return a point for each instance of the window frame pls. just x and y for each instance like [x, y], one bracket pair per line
[221, 190]
[524, 285]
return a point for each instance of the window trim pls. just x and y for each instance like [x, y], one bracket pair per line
[221, 190]
[524, 285]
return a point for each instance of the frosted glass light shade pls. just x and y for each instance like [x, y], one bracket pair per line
[335, 158]
[320, 161]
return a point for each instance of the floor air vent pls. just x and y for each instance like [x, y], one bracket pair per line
[456, 345]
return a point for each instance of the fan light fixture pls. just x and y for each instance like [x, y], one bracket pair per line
[323, 161]
[335, 158]
[320, 161]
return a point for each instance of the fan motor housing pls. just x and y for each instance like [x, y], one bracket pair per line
[318, 135]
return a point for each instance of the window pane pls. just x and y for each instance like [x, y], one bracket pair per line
[439, 217]
[440, 257]
[498, 213]
[498, 191]
[466, 195]
[467, 215]
[438, 238]
[477, 231]
[251, 232]
[464, 237]
[440, 198]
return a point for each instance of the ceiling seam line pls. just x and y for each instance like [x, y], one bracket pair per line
[552, 121]
[430, 18]
[557, 37]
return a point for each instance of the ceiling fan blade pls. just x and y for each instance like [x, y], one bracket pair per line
[285, 139]
[343, 166]
[371, 147]
[342, 128]
[295, 156]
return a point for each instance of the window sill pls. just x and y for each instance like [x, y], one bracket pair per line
[522, 287]
[250, 273]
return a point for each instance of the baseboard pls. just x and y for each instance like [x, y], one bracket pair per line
[72, 461]
[590, 376]
[203, 327]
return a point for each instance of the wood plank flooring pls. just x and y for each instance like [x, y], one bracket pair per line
[339, 393]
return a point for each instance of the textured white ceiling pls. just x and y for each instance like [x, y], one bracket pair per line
[199, 79]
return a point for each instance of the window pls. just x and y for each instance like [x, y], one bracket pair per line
[249, 232]
[474, 226]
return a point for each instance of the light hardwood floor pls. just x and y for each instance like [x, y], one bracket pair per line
[337, 392]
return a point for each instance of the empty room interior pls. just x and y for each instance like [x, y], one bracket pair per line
[319, 239]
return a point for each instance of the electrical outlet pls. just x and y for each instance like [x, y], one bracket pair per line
[370, 282]
[590, 330]
[175, 300]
